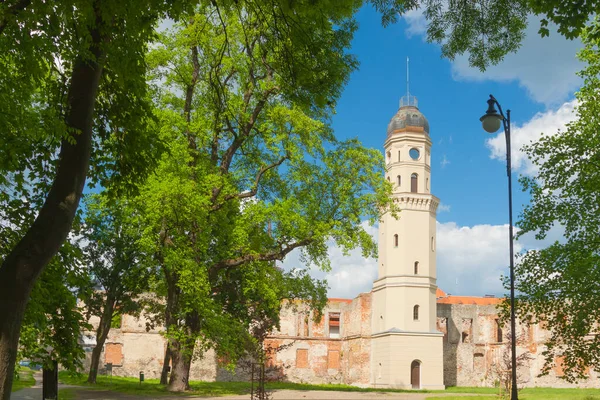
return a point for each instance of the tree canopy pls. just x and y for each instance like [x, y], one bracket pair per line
[559, 285]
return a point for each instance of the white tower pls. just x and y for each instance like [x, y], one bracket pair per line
[407, 349]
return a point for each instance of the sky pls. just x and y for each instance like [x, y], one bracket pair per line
[468, 172]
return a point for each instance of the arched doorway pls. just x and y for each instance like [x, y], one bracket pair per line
[415, 374]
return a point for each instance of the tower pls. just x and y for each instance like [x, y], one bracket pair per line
[406, 349]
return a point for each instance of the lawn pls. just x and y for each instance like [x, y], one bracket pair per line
[24, 379]
[528, 394]
[151, 387]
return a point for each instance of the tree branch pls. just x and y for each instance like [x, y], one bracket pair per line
[270, 256]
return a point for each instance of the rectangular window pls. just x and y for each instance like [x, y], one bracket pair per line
[302, 358]
[333, 359]
[334, 325]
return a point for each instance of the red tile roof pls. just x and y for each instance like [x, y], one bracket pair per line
[443, 298]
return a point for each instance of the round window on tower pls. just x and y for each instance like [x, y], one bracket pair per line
[414, 154]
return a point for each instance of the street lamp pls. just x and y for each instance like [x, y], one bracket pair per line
[491, 121]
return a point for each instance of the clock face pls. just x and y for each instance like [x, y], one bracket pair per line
[414, 154]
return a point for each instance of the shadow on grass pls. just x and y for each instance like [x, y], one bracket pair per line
[24, 379]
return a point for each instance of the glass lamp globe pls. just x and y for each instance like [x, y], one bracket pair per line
[491, 122]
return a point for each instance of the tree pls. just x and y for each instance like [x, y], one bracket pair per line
[69, 71]
[559, 284]
[253, 170]
[116, 264]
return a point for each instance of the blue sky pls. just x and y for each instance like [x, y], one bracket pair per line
[468, 166]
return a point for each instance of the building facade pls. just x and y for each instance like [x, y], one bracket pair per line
[404, 333]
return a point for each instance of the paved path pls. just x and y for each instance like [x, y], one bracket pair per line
[35, 393]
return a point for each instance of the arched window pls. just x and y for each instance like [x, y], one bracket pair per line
[399, 180]
[432, 243]
[399, 156]
[416, 267]
[427, 183]
[388, 178]
[414, 178]
[389, 156]
[416, 313]
[396, 240]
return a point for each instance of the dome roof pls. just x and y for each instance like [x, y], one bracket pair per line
[408, 116]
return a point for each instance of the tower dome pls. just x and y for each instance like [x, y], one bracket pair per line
[408, 116]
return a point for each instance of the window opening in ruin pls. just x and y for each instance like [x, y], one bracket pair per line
[396, 240]
[478, 362]
[416, 267]
[465, 337]
[302, 358]
[334, 325]
[498, 331]
[416, 313]
[414, 178]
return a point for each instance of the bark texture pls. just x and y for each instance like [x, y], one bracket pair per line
[181, 354]
[23, 265]
[101, 335]
[164, 375]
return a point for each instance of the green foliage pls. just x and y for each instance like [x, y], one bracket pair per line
[119, 271]
[487, 30]
[53, 321]
[559, 283]
[253, 170]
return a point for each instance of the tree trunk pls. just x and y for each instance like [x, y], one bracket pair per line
[101, 335]
[164, 375]
[181, 354]
[23, 265]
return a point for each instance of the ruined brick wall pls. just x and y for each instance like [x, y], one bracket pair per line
[132, 349]
[472, 351]
[313, 352]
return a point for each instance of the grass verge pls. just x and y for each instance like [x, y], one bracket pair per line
[152, 387]
[23, 380]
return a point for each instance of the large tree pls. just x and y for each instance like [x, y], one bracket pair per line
[253, 170]
[560, 284]
[72, 79]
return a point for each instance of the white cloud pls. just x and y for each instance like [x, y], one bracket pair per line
[443, 208]
[470, 261]
[549, 123]
[545, 67]
[349, 275]
[417, 24]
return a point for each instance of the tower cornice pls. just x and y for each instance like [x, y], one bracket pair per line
[416, 201]
[407, 135]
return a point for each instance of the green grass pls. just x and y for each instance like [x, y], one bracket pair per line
[151, 387]
[23, 380]
[528, 394]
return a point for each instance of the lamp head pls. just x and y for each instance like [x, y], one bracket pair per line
[491, 119]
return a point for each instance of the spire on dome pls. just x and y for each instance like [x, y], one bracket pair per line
[408, 100]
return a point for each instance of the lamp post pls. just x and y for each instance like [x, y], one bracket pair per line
[491, 123]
